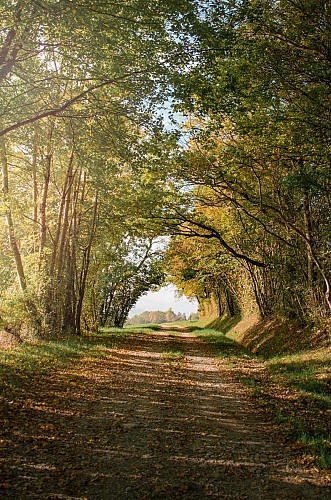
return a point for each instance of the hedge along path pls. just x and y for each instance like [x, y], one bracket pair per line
[156, 419]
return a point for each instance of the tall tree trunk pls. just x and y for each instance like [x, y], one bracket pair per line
[30, 305]
[218, 297]
[44, 196]
[309, 243]
[9, 219]
[63, 241]
[35, 198]
[59, 269]
[230, 303]
[85, 267]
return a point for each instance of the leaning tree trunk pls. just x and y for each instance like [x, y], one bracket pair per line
[30, 305]
[9, 221]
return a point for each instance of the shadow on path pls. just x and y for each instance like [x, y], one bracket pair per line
[143, 425]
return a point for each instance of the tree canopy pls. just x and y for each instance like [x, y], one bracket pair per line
[259, 152]
[207, 122]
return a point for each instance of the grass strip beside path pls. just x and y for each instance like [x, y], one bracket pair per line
[294, 389]
[41, 358]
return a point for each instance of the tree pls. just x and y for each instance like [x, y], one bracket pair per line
[76, 95]
[259, 148]
[201, 269]
[131, 269]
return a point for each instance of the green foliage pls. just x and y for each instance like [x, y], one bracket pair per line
[90, 163]
[79, 86]
[13, 312]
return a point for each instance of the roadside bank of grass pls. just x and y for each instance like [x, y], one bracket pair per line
[295, 389]
[38, 358]
[308, 420]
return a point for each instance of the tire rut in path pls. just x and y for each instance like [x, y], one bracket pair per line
[144, 427]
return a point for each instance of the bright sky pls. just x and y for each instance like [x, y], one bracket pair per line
[163, 300]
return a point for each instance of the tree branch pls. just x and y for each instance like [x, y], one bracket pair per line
[56, 111]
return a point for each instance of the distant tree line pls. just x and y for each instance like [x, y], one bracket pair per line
[156, 317]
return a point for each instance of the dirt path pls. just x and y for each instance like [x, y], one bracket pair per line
[138, 426]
